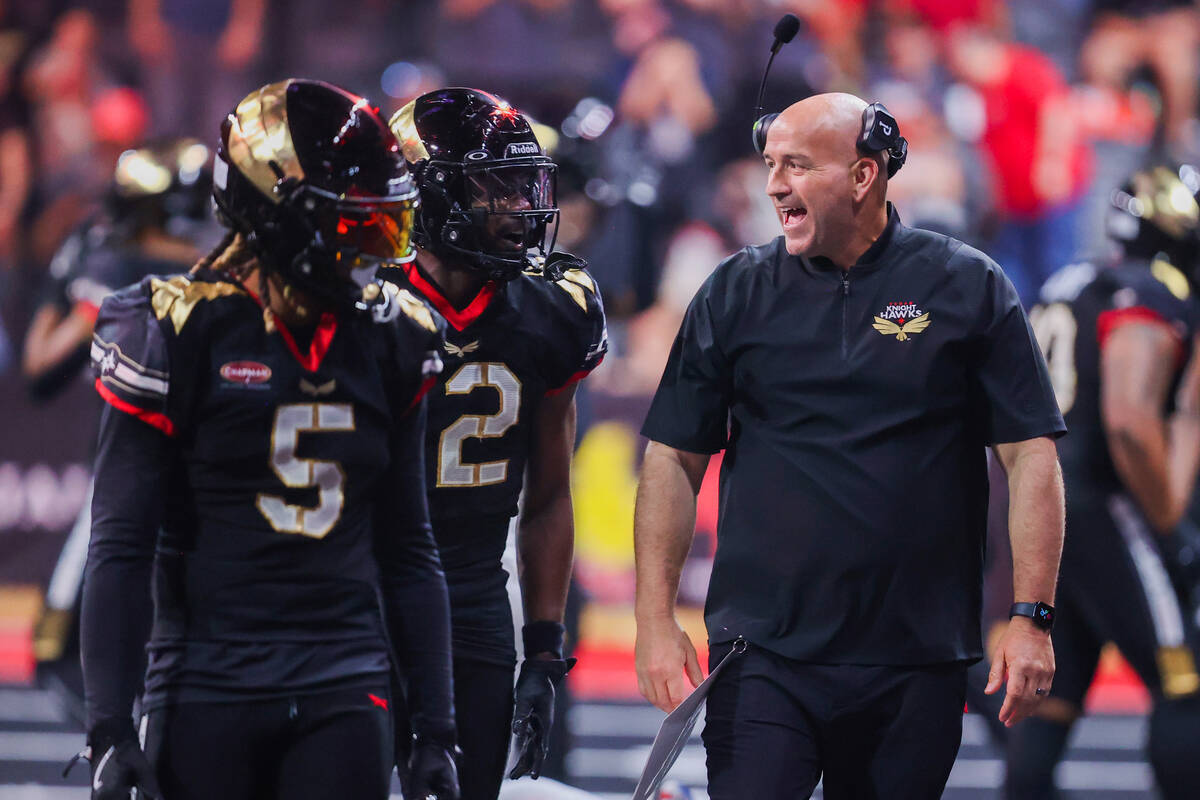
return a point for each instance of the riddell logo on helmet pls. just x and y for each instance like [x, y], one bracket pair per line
[245, 372]
[521, 149]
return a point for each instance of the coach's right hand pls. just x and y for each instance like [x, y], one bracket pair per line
[664, 656]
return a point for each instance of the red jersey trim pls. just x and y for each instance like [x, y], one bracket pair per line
[576, 378]
[160, 421]
[322, 337]
[459, 319]
[1109, 321]
[426, 385]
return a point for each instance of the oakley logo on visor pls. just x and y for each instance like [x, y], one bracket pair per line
[477, 155]
[521, 149]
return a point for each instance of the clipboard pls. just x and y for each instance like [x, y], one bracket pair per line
[673, 734]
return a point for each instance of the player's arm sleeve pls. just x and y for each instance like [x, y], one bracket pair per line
[415, 601]
[130, 357]
[690, 410]
[1014, 397]
[132, 460]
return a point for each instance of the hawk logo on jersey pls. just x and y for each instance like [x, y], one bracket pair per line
[108, 363]
[454, 350]
[900, 320]
[317, 390]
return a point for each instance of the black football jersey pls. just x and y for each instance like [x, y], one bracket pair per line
[514, 344]
[1078, 308]
[265, 577]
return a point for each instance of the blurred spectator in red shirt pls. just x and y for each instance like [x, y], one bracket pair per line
[1160, 34]
[1040, 160]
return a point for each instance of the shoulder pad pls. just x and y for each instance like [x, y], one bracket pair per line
[1172, 278]
[176, 297]
[130, 352]
[399, 302]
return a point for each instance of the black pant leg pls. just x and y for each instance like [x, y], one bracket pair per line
[760, 739]
[339, 745]
[201, 751]
[896, 733]
[483, 705]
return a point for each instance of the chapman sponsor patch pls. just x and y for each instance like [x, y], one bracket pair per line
[246, 373]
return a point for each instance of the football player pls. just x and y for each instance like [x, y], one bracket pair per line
[1120, 342]
[525, 325]
[154, 214]
[261, 458]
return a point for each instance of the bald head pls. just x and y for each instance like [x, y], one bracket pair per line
[830, 122]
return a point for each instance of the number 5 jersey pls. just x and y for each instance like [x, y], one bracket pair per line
[284, 489]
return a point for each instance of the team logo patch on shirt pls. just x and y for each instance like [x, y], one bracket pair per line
[317, 390]
[455, 350]
[250, 374]
[901, 320]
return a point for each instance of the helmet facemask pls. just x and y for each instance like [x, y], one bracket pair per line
[501, 217]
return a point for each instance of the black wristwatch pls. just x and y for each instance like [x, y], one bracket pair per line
[1041, 613]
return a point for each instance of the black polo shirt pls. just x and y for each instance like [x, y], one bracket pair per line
[854, 410]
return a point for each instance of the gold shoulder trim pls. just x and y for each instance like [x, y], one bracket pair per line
[1169, 275]
[176, 297]
[577, 283]
[412, 306]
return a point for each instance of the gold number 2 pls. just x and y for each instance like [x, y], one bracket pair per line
[451, 469]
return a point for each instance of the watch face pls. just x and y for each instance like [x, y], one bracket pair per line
[1044, 614]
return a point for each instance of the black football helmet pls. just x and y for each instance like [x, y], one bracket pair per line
[1156, 212]
[487, 187]
[165, 184]
[314, 179]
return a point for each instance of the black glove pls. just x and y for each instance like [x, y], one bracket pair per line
[533, 715]
[118, 764]
[432, 771]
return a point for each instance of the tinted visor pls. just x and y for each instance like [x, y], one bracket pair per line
[370, 229]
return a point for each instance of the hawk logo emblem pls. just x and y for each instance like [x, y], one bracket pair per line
[108, 362]
[454, 350]
[901, 320]
[316, 390]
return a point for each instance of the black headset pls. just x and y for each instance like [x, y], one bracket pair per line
[880, 131]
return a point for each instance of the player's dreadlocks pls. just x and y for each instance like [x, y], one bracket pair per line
[235, 258]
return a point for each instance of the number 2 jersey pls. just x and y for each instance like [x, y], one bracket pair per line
[513, 345]
[285, 484]
[1078, 309]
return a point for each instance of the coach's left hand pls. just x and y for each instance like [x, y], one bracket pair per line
[1025, 658]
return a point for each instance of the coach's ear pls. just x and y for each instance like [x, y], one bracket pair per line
[865, 174]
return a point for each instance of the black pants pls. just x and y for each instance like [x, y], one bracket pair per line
[1114, 587]
[483, 705]
[484, 662]
[325, 746]
[775, 726]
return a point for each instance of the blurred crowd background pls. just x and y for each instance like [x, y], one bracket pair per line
[1021, 117]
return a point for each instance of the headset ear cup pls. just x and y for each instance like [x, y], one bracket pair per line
[758, 134]
[897, 155]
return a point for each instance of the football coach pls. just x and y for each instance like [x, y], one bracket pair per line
[854, 370]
